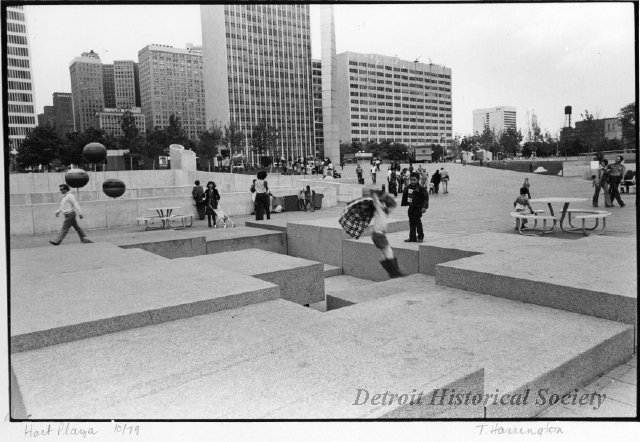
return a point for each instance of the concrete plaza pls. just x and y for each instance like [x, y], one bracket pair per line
[484, 310]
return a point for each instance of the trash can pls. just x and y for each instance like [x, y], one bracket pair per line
[317, 200]
[290, 203]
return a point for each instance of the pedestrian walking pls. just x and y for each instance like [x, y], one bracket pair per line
[416, 197]
[69, 207]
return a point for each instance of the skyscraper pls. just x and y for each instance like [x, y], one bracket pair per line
[382, 98]
[171, 84]
[125, 84]
[20, 91]
[87, 87]
[63, 108]
[497, 118]
[257, 65]
[317, 105]
[108, 85]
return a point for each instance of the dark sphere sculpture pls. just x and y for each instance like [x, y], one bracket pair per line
[76, 178]
[94, 152]
[113, 187]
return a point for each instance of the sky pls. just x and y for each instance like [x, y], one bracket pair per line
[536, 57]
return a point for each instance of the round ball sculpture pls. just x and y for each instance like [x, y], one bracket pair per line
[76, 178]
[113, 188]
[94, 152]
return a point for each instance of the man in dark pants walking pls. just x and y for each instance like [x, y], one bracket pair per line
[416, 197]
[616, 172]
[198, 197]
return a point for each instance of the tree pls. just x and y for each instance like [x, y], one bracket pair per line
[233, 138]
[175, 132]
[209, 140]
[437, 152]
[263, 137]
[130, 133]
[395, 151]
[628, 120]
[510, 141]
[76, 141]
[488, 140]
[41, 146]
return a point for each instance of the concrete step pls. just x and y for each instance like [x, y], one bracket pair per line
[72, 258]
[337, 285]
[288, 359]
[330, 271]
[530, 276]
[187, 242]
[300, 280]
[500, 335]
[362, 259]
[49, 309]
[321, 239]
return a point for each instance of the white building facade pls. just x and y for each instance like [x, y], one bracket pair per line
[110, 120]
[496, 118]
[21, 110]
[171, 84]
[382, 98]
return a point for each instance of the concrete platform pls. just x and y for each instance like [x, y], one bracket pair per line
[349, 290]
[241, 238]
[282, 356]
[520, 346]
[48, 310]
[535, 276]
[71, 258]
[321, 239]
[337, 285]
[300, 280]
[362, 259]
[330, 271]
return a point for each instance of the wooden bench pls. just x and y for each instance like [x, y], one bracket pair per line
[535, 217]
[600, 215]
[183, 219]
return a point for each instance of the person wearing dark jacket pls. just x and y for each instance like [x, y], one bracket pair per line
[211, 198]
[417, 198]
[435, 179]
[198, 197]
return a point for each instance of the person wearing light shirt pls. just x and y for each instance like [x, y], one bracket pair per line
[69, 207]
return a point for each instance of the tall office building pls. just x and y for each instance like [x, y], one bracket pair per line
[317, 105]
[21, 110]
[257, 65]
[171, 83]
[47, 118]
[496, 118]
[63, 109]
[108, 85]
[125, 84]
[87, 87]
[382, 98]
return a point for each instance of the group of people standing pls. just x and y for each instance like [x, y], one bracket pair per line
[206, 201]
[608, 179]
[398, 180]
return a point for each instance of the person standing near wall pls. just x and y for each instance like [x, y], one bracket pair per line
[198, 197]
[616, 172]
[69, 207]
[262, 196]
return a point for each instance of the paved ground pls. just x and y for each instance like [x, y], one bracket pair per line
[479, 200]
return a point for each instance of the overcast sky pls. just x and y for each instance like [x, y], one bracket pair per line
[530, 56]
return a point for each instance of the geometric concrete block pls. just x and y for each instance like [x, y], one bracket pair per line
[362, 259]
[321, 239]
[170, 247]
[32, 263]
[344, 292]
[330, 271]
[533, 276]
[54, 309]
[241, 238]
[300, 281]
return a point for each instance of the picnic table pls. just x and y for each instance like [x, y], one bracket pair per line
[164, 215]
[580, 214]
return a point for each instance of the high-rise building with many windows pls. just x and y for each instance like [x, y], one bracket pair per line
[124, 73]
[318, 127]
[171, 84]
[108, 86]
[382, 98]
[63, 108]
[257, 66]
[21, 110]
[496, 118]
[87, 87]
